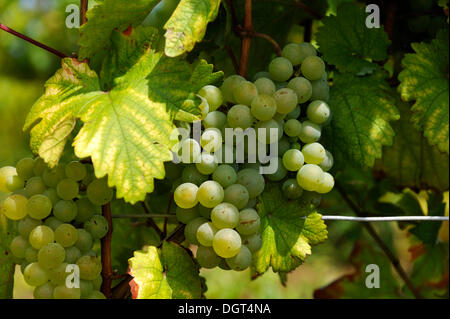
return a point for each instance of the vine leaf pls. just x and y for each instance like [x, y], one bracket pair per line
[187, 25]
[107, 16]
[362, 108]
[6, 258]
[164, 273]
[425, 80]
[346, 42]
[72, 85]
[288, 231]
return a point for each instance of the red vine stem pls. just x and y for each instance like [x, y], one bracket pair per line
[32, 41]
[83, 10]
[246, 38]
[276, 46]
[107, 273]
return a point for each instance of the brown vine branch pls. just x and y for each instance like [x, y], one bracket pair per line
[122, 289]
[83, 10]
[150, 222]
[233, 14]
[390, 19]
[392, 258]
[32, 41]
[246, 38]
[232, 57]
[107, 273]
[275, 44]
[307, 9]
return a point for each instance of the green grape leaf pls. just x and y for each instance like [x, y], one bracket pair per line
[187, 25]
[6, 258]
[72, 86]
[425, 80]
[107, 16]
[175, 82]
[362, 108]
[411, 161]
[346, 42]
[288, 232]
[165, 273]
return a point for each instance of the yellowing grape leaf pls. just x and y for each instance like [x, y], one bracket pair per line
[187, 25]
[166, 273]
[425, 79]
[288, 232]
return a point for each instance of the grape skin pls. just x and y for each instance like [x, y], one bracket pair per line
[210, 194]
[225, 215]
[237, 195]
[280, 69]
[302, 87]
[227, 243]
[249, 222]
[293, 160]
[309, 177]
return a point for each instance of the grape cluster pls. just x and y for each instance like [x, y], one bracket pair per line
[58, 217]
[217, 201]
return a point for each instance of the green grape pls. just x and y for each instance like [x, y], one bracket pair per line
[205, 234]
[302, 87]
[85, 210]
[215, 119]
[271, 128]
[309, 177]
[283, 145]
[310, 132]
[66, 235]
[307, 50]
[72, 254]
[294, 114]
[225, 175]
[228, 86]
[293, 53]
[6, 172]
[327, 162]
[208, 164]
[76, 171]
[240, 116]
[190, 151]
[39, 206]
[249, 222]
[237, 195]
[227, 243]
[19, 246]
[296, 34]
[291, 189]
[185, 195]
[318, 112]
[213, 95]
[53, 176]
[63, 292]
[31, 254]
[90, 175]
[185, 215]
[313, 68]
[24, 168]
[52, 195]
[44, 291]
[97, 225]
[286, 100]
[67, 189]
[296, 146]
[320, 90]
[15, 207]
[85, 241]
[34, 186]
[98, 192]
[51, 255]
[280, 172]
[35, 275]
[265, 86]
[41, 236]
[97, 282]
[96, 295]
[52, 222]
[190, 231]
[263, 107]
[251, 203]
[252, 180]
[39, 166]
[65, 210]
[292, 127]
[211, 140]
[210, 194]
[314, 153]
[252, 242]
[191, 174]
[14, 183]
[86, 288]
[58, 275]
[280, 69]
[261, 74]
[326, 183]
[204, 211]
[293, 160]
[245, 92]
[225, 215]
[90, 267]
[241, 261]
[207, 258]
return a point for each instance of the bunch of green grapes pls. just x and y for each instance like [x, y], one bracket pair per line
[58, 217]
[216, 192]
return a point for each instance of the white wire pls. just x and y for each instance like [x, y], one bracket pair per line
[385, 219]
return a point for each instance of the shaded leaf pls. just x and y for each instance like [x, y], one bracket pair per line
[7, 264]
